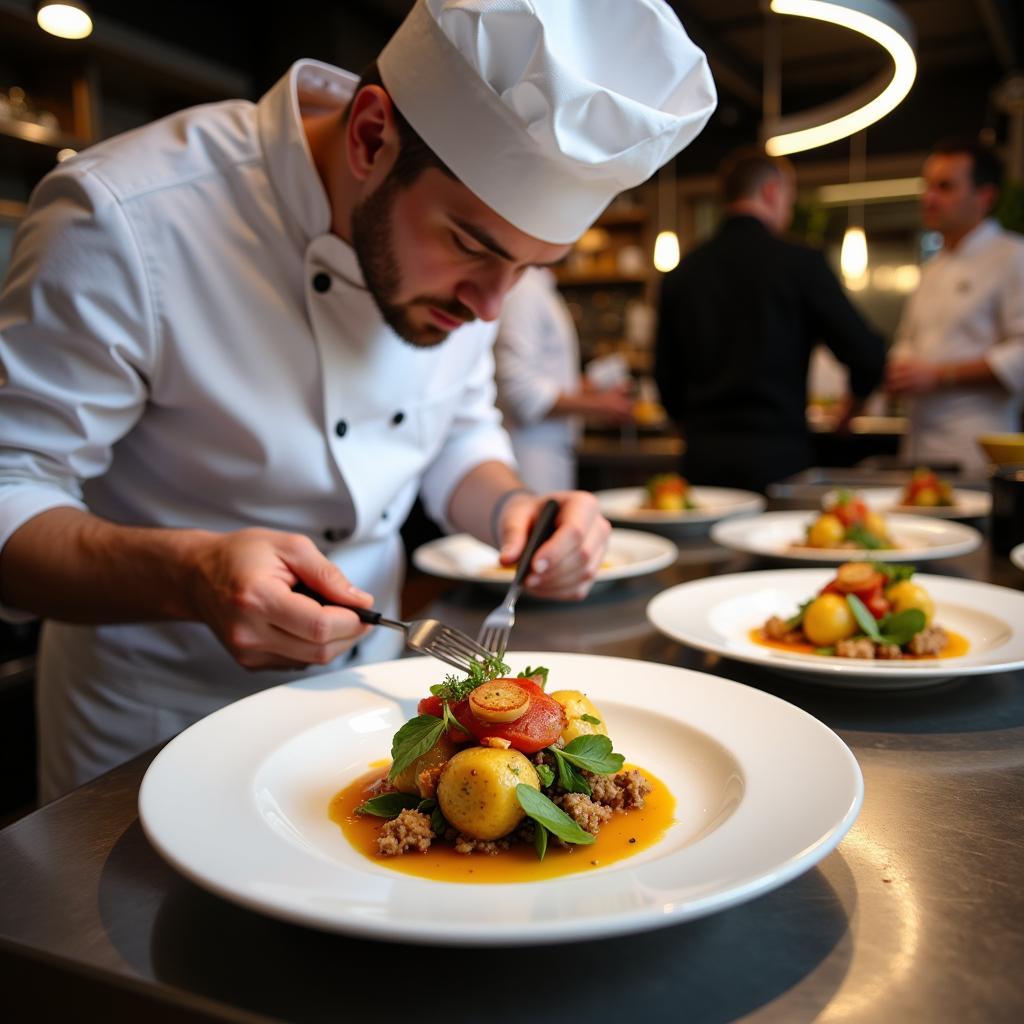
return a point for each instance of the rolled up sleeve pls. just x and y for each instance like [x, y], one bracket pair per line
[76, 347]
[474, 437]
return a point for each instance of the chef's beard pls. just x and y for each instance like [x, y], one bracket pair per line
[374, 248]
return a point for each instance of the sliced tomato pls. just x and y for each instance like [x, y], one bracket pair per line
[850, 512]
[538, 728]
[873, 597]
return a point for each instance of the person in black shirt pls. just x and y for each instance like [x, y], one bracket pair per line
[737, 322]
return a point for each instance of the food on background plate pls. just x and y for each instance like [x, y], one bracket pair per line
[846, 523]
[667, 492]
[869, 610]
[494, 764]
[925, 489]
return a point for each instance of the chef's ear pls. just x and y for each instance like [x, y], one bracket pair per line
[371, 135]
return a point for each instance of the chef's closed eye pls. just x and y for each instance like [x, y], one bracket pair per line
[464, 245]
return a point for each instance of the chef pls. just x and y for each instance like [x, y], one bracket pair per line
[958, 360]
[539, 390]
[236, 343]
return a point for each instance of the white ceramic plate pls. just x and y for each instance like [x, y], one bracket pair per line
[774, 534]
[1017, 556]
[238, 803]
[716, 614]
[461, 557]
[967, 504]
[625, 505]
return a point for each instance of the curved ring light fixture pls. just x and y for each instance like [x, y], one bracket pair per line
[880, 21]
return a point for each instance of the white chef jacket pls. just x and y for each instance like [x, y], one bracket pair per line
[537, 359]
[969, 305]
[184, 343]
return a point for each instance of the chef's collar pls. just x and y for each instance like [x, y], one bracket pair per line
[976, 237]
[307, 86]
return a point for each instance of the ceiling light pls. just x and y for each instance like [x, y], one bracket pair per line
[853, 257]
[68, 19]
[878, 20]
[666, 251]
[870, 191]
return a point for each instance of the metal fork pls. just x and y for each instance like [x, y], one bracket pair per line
[426, 636]
[497, 627]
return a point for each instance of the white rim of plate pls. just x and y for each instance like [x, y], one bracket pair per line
[622, 505]
[777, 748]
[705, 595]
[436, 558]
[744, 536]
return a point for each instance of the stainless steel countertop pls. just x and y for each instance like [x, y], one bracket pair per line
[917, 916]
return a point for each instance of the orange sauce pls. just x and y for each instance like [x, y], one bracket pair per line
[955, 646]
[624, 834]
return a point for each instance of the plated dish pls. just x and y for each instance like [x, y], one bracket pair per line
[461, 557]
[239, 803]
[784, 535]
[631, 506]
[725, 615]
[965, 504]
[497, 779]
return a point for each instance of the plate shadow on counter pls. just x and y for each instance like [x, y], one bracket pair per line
[712, 970]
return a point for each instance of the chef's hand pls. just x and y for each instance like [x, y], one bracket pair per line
[905, 375]
[567, 562]
[242, 589]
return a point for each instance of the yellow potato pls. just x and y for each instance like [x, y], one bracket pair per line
[576, 705]
[907, 594]
[828, 620]
[405, 780]
[477, 791]
[827, 531]
[874, 523]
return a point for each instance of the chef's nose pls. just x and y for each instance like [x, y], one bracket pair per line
[484, 293]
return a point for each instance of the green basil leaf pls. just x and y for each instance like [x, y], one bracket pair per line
[592, 753]
[450, 721]
[538, 807]
[426, 806]
[864, 538]
[568, 777]
[902, 627]
[438, 822]
[529, 673]
[540, 840]
[825, 650]
[864, 618]
[480, 672]
[894, 573]
[591, 719]
[388, 805]
[796, 621]
[416, 737]
[545, 774]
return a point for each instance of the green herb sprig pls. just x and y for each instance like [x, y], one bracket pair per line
[389, 805]
[453, 688]
[530, 673]
[895, 629]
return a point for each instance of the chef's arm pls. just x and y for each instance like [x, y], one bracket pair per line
[492, 503]
[70, 565]
[909, 375]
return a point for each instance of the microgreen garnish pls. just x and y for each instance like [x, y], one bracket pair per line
[531, 673]
[797, 620]
[453, 688]
[893, 573]
[864, 538]
[545, 774]
[591, 719]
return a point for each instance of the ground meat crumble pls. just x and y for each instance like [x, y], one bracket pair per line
[408, 833]
[931, 640]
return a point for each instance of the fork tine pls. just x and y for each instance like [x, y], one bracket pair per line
[495, 639]
[464, 643]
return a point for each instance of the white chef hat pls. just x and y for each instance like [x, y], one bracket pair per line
[546, 109]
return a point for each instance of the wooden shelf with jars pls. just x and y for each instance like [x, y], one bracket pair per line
[610, 284]
[60, 95]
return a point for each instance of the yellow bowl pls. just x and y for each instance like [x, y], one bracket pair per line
[1003, 449]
